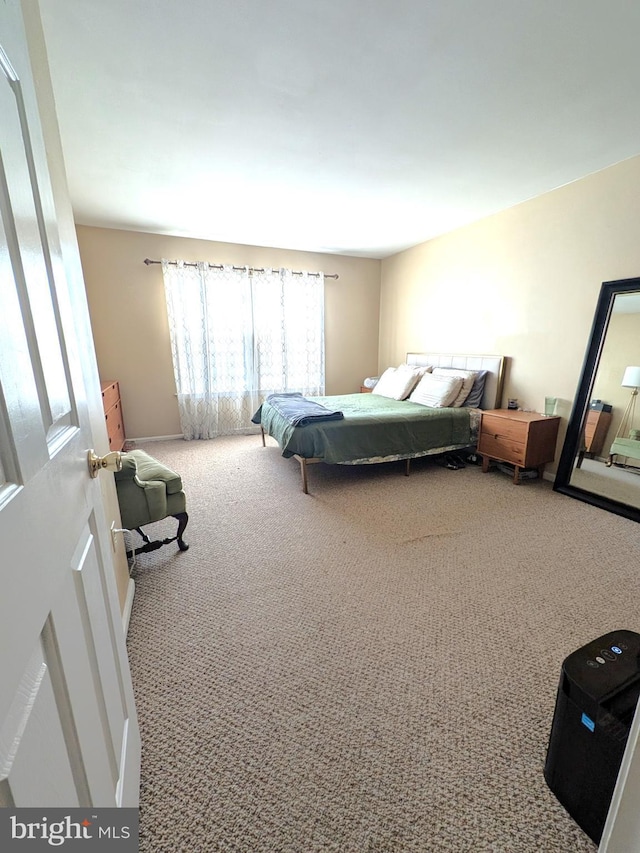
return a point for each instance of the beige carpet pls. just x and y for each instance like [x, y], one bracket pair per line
[618, 484]
[371, 667]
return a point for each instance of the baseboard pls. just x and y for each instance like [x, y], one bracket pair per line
[128, 605]
[155, 438]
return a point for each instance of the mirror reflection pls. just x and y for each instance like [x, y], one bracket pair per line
[607, 462]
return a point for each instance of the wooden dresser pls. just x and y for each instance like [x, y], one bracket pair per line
[113, 414]
[595, 431]
[523, 439]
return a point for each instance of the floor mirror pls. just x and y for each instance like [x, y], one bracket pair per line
[600, 460]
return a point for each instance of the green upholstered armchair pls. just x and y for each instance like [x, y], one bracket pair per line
[148, 491]
[629, 447]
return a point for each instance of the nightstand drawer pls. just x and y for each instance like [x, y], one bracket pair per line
[503, 428]
[595, 431]
[110, 395]
[502, 447]
[115, 427]
[591, 424]
[113, 414]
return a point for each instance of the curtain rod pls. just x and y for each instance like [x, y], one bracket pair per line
[251, 269]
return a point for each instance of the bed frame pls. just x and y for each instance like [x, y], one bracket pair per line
[491, 397]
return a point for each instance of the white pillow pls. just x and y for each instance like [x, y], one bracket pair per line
[436, 391]
[397, 382]
[420, 368]
[468, 378]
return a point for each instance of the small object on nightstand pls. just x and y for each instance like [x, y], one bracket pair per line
[523, 439]
[599, 406]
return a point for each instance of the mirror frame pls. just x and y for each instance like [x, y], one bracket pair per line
[608, 292]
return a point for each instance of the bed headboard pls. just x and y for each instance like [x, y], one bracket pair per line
[494, 364]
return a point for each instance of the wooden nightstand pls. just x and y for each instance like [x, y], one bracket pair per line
[523, 439]
[595, 430]
[365, 390]
[113, 414]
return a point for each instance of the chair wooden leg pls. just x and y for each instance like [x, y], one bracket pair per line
[183, 520]
[145, 538]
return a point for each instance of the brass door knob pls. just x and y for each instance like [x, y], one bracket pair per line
[111, 462]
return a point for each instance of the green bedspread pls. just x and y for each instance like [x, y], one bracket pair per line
[374, 429]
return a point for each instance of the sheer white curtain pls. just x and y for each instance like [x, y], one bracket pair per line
[238, 335]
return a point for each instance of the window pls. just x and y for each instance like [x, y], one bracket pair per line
[238, 335]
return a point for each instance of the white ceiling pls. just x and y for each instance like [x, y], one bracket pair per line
[353, 126]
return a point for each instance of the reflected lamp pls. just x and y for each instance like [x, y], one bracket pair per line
[631, 379]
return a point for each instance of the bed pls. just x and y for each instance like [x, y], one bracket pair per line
[373, 428]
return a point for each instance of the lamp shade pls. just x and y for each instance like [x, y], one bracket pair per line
[631, 378]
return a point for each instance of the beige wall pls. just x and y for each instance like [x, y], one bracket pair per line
[126, 301]
[523, 283]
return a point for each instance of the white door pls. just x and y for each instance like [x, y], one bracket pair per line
[68, 729]
[621, 832]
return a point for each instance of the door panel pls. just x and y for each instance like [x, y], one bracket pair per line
[71, 626]
[21, 419]
[68, 728]
[31, 730]
[29, 248]
[100, 643]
